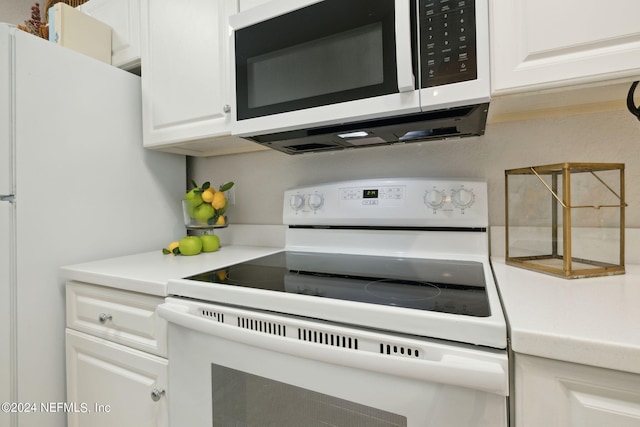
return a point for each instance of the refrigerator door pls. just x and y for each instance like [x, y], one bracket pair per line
[7, 279]
[86, 189]
[6, 126]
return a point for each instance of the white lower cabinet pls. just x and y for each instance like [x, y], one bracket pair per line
[553, 393]
[112, 385]
[116, 370]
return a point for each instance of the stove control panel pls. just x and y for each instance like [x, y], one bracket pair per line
[401, 202]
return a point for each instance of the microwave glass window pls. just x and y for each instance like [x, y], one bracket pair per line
[343, 51]
[243, 399]
[337, 63]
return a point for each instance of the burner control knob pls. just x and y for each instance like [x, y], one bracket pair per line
[434, 199]
[296, 202]
[463, 198]
[315, 201]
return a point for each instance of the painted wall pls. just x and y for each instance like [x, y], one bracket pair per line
[261, 177]
[17, 11]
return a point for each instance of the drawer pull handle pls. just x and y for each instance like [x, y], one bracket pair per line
[157, 394]
[103, 317]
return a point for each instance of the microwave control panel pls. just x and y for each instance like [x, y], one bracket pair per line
[398, 202]
[447, 39]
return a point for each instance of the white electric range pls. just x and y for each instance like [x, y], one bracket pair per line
[380, 310]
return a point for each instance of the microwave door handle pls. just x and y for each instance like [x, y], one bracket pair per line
[406, 81]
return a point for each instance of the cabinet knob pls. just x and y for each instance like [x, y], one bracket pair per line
[157, 394]
[103, 317]
[226, 108]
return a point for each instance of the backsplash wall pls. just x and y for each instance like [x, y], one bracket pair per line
[262, 177]
[18, 11]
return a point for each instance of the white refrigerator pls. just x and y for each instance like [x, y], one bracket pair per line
[75, 185]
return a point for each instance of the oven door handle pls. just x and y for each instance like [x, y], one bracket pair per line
[453, 369]
[406, 79]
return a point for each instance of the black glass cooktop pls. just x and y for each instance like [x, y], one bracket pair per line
[447, 286]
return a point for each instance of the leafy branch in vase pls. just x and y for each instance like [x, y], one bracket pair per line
[35, 25]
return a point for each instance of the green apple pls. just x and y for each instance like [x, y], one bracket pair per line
[210, 242]
[194, 197]
[203, 212]
[190, 245]
[190, 209]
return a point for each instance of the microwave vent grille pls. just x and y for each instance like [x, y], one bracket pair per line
[458, 122]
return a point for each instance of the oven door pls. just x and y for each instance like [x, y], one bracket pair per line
[301, 64]
[235, 367]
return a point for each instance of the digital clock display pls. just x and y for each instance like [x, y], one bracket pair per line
[370, 194]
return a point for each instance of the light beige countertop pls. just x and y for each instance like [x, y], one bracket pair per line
[593, 321]
[149, 272]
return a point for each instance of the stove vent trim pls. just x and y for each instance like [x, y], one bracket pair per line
[288, 328]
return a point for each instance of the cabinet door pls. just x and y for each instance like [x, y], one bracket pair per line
[111, 385]
[186, 93]
[539, 44]
[123, 16]
[552, 393]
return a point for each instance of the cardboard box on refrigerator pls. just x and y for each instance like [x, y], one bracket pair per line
[73, 29]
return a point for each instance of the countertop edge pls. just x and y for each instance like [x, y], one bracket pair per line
[116, 282]
[600, 354]
[540, 339]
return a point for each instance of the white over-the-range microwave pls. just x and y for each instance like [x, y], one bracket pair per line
[314, 75]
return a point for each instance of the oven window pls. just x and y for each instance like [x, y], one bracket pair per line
[245, 400]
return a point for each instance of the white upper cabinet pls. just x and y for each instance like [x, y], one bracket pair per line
[548, 44]
[186, 93]
[123, 16]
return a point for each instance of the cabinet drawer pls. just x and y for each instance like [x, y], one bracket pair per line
[123, 317]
